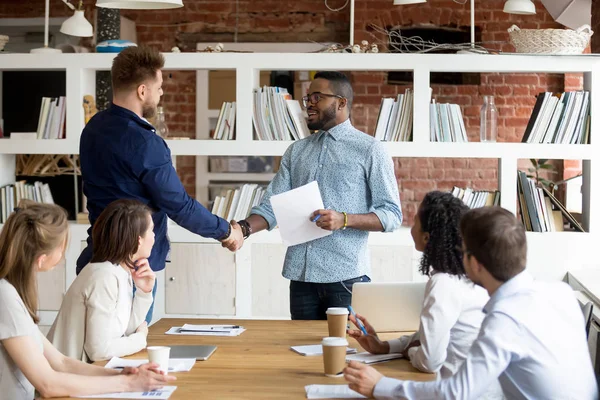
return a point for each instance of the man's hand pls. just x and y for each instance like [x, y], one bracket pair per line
[369, 342]
[235, 241]
[362, 378]
[329, 220]
[143, 276]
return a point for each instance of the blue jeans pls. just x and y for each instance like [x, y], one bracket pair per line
[309, 301]
[149, 315]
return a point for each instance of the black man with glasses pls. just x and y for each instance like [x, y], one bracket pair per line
[359, 190]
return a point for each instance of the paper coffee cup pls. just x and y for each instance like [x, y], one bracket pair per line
[160, 356]
[337, 321]
[334, 355]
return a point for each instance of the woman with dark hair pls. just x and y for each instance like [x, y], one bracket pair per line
[100, 317]
[452, 308]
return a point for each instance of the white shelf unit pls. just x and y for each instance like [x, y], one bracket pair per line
[261, 256]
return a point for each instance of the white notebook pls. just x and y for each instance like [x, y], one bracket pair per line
[315, 350]
[369, 358]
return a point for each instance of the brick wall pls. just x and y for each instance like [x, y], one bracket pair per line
[286, 20]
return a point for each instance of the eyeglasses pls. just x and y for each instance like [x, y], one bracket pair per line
[316, 97]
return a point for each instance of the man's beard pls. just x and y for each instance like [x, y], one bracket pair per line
[149, 110]
[328, 116]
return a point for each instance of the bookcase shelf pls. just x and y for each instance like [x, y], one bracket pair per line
[277, 148]
[259, 266]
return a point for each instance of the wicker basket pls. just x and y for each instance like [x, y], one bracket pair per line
[550, 41]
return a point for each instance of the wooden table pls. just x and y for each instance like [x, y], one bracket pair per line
[259, 364]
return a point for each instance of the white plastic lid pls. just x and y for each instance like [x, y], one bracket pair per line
[334, 341]
[337, 311]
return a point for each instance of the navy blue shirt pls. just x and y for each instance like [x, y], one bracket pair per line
[123, 158]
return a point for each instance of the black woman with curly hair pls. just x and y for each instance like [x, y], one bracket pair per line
[452, 308]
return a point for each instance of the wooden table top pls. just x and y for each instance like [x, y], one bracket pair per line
[259, 364]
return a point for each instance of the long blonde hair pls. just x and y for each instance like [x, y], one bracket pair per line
[32, 230]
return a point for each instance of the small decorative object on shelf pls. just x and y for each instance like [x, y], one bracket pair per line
[488, 130]
[89, 107]
[161, 126]
[113, 46]
[3, 41]
[550, 41]
[363, 47]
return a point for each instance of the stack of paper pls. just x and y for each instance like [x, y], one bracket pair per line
[331, 392]
[162, 394]
[175, 364]
[206, 330]
[316, 350]
[369, 358]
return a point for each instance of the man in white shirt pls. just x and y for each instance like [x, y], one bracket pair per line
[533, 336]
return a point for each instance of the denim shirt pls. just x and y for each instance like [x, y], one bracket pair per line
[355, 175]
[123, 158]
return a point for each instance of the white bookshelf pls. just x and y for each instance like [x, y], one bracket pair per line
[551, 255]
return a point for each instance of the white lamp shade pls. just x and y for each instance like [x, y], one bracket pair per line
[140, 4]
[77, 25]
[523, 7]
[403, 2]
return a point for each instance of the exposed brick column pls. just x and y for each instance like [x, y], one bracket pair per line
[596, 26]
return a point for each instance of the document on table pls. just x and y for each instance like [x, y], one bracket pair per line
[175, 364]
[331, 392]
[163, 393]
[315, 350]
[369, 358]
[206, 330]
[293, 209]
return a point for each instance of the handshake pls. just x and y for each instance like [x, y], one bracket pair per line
[235, 240]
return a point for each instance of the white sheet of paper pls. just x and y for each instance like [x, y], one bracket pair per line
[315, 350]
[331, 392]
[161, 394]
[233, 332]
[369, 358]
[175, 364]
[293, 209]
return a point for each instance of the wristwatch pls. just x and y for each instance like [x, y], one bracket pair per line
[246, 228]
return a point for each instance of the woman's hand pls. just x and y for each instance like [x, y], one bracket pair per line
[148, 378]
[369, 342]
[143, 276]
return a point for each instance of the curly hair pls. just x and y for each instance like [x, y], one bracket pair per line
[440, 215]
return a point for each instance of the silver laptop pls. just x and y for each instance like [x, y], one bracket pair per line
[198, 352]
[389, 307]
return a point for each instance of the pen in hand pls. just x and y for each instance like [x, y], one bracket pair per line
[315, 219]
[360, 324]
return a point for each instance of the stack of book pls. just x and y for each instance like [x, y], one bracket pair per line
[560, 118]
[276, 116]
[237, 203]
[446, 123]
[11, 195]
[51, 124]
[540, 210]
[476, 199]
[225, 128]
[395, 120]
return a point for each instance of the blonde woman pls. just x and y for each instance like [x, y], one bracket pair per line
[32, 241]
[101, 317]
